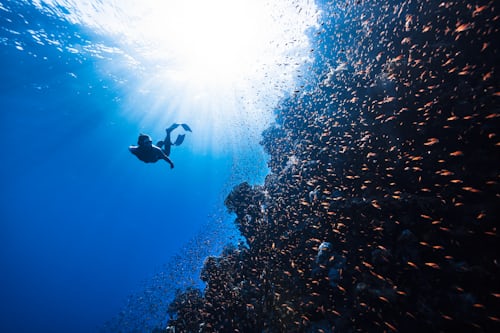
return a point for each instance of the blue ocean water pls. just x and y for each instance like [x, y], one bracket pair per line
[91, 238]
[83, 223]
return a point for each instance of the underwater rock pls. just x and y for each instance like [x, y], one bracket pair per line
[186, 304]
[247, 202]
[324, 253]
[328, 264]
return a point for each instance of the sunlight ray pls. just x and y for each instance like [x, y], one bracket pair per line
[220, 65]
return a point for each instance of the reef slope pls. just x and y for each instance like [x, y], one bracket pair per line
[380, 212]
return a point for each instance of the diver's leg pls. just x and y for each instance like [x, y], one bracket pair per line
[167, 143]
[166, 148]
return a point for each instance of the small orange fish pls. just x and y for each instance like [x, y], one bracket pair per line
[391, 327]
[444, 173]
[463, 27]
[487, 76]
[432, 265]
[431, 142]
[367, 264]
[478, 10]
[412, 264]
[471, 189]
[382, 298]
[457, 153]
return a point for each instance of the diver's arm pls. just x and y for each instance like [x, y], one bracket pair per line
[133, 150]
[165, 157]
[169, 162]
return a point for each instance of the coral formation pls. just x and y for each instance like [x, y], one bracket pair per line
[380, 212]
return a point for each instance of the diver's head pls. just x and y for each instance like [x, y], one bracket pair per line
[144, 140]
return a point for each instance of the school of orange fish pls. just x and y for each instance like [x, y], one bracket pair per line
[381, 208]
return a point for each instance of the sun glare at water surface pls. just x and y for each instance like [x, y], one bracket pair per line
[220, 65]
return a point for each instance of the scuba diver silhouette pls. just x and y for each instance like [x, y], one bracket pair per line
[149, 153]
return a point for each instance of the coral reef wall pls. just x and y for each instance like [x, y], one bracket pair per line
[381, 209]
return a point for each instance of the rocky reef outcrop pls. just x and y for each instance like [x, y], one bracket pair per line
[381, 210]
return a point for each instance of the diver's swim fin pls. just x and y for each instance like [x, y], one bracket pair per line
[179, 140]
[172, 127]
[186, 127]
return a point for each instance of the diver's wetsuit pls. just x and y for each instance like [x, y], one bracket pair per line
[147, 152]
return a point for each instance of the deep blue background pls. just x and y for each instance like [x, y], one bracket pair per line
[82, 222]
